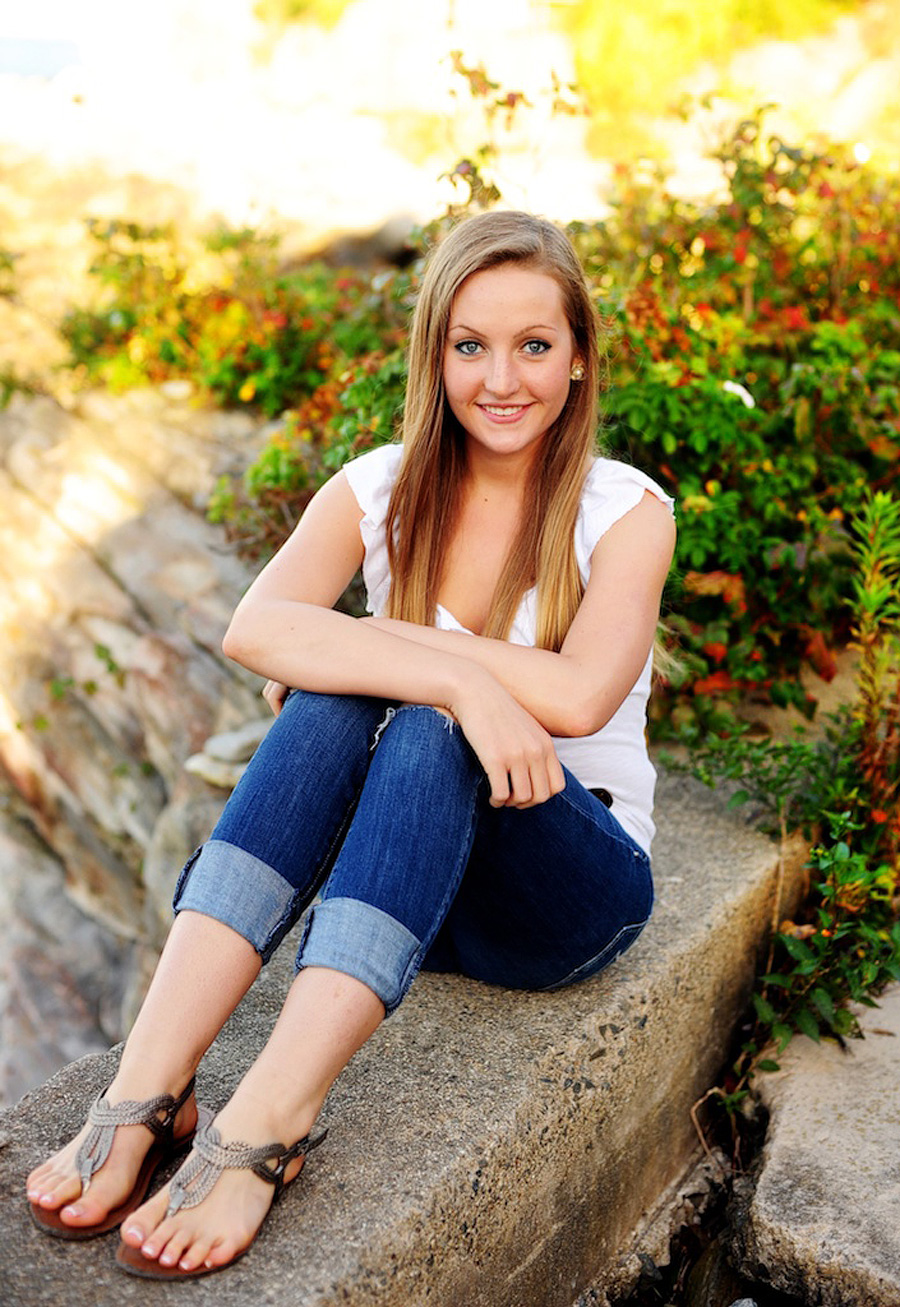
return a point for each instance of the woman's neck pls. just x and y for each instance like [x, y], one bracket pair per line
[497, 475]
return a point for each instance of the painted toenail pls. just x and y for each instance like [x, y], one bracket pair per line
[73, 1211]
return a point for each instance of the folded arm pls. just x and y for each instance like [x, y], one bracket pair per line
[286, 629]
[576, 691]
[508, 699]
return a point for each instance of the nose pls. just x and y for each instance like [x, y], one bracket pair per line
[501, 379]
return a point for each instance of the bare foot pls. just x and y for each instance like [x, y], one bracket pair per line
[226, 1222]
[55, 1186]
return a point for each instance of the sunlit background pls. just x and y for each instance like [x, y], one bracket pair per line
[324, 117]
[340, 113]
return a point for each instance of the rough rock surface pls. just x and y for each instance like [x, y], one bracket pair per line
[488, 1148]
[114, 595]
[63, 976]
[822, 1222]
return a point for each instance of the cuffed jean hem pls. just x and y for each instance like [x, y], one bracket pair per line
[225, 882]
[362, 941]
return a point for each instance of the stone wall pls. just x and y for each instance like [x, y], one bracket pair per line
[114, 595]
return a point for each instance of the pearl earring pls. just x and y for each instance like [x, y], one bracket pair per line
[577, 373]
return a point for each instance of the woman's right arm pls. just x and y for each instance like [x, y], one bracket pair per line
[285, 627]
[286, 630]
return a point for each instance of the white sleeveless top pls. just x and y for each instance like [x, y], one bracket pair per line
[615, 757]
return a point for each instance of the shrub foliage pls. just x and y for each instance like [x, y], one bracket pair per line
[841, 790]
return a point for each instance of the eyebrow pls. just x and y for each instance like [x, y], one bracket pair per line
[527, 331]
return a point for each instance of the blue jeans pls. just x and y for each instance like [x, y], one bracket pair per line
[384, 812]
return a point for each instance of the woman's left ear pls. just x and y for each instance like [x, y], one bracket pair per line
[577, 373]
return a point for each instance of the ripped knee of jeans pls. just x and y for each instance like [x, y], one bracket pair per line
[450, 722]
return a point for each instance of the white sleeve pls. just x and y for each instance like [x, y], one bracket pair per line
[371, 478]
[611, 490]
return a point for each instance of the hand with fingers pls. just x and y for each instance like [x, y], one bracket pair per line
[275, 693]
[517, 754]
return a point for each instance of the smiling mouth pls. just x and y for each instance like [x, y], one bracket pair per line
[504, 410]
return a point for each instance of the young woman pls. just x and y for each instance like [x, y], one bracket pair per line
[461, 776]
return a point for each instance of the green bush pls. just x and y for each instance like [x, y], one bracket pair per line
[841, 791]
[244, 328]
[784, 297]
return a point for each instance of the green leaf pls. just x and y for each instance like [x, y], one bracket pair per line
[844, 1021]
[783, 1034]
[764, 1009]
[768, 1065]
[797, 949]
[824, 1003]
[807, 1024]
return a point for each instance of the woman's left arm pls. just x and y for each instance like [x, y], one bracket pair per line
[576, 691]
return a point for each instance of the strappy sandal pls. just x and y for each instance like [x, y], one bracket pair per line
[104, 1119]
[195, 1181]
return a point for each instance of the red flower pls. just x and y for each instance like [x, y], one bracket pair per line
[718, 683]
[716, 651]
[795, 318]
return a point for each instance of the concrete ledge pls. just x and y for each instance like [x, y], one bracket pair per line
[487, 1148]
[820, 1221]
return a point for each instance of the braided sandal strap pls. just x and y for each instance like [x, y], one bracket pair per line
[210, 1157]
[104, 1118]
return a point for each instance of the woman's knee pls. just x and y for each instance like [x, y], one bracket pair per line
[311, 764]
[344, 724]
[327, 711]
[424, 740]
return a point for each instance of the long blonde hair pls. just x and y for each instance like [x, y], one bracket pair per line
[426, 495]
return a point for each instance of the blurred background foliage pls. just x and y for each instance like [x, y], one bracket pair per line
[753, 350]
[279, 13]
[628, 57]
[631, 59]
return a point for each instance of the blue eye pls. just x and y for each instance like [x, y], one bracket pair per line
[467, 347]
[536, 347]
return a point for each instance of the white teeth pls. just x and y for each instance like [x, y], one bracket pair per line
[502, 412]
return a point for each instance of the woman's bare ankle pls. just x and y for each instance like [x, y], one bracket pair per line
[257, 1120]
[145, 1075]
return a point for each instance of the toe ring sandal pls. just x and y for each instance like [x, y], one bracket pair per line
[195, 1181]
[104, 1119]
